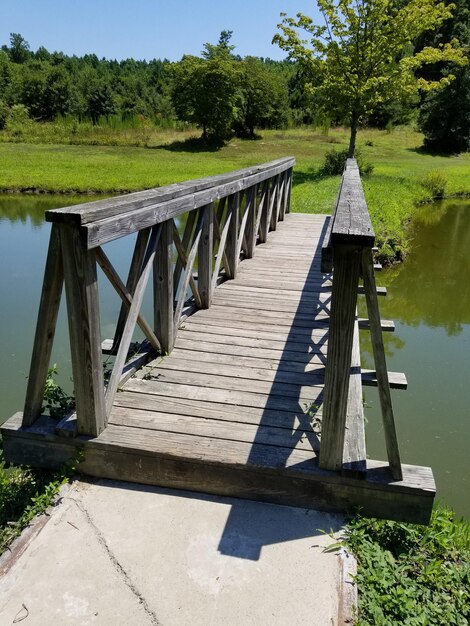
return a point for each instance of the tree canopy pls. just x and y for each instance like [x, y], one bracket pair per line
[363, 55]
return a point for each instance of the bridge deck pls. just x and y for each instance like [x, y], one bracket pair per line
[234, 409]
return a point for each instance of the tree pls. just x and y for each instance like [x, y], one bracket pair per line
[445, 115]
[363, 54]
[264, 100]
[19, 48]
[206, 93]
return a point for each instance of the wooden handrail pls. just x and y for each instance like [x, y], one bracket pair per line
[348, 251]
[226, 216]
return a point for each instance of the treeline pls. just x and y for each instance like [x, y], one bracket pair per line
[218, 91]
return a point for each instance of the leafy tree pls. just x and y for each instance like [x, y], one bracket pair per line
[363, 54]
[206, 93]
[264, 101]
[445, 115]
[19, 48]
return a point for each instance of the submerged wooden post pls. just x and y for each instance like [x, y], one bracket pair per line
[81, 289]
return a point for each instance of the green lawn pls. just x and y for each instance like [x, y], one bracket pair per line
[392, 190]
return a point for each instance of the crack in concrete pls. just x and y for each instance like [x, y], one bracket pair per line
[117, 565]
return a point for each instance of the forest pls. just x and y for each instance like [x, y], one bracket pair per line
[218, 92]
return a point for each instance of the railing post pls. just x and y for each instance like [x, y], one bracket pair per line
[289, 174]
[275, 203]
[264, 222]
[205, 257]
[81, 289]
[163, 296]
[231, 246]
[251, 224]
[347, 264]
[45, 327]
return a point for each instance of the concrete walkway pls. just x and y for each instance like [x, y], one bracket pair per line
[122, 554]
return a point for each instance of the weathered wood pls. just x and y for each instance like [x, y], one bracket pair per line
[380, 291]
[380, 365]
[220, 253]
[236, 468]
[45, 328]
[263, 213]
[396, 380]
[275, 203]
[126, 297]
[163, 287]
[205, 256]
[104, 209]
[241, 234]
[347, 262]
[385, 325]
[185, 245]
[184, 261]
[181, 296]
[134, 273]
[81, 288]
[231, 245]
[251, 207]
[134, 309]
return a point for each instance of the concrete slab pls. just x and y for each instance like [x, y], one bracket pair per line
[118, 553]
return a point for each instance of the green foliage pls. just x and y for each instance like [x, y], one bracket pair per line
[4, 110]
[362, 57]
[56, 402]
[24, 493]
[445, 115]
[435, 183]
[17, 120]
[335, 160]
[410, 574]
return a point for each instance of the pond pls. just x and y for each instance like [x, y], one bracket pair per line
[428, 298]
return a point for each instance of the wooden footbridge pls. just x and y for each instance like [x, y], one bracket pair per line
[249, 381]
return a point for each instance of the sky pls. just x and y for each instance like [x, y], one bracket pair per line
[146, 29]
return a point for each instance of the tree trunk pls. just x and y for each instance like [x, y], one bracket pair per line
[352, 138]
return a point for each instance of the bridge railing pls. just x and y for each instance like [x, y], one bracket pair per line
[348, 251]
[226, 216]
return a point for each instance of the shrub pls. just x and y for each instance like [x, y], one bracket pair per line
[4, 109]
[435, 183]
[18, 120]
[333, 164]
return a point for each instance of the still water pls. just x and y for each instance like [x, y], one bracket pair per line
[428, 298]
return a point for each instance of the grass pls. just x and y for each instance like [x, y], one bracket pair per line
[412, 575]
[393, 190]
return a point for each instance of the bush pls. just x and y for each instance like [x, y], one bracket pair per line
[4, 109]
[18, 120]
[334, 162]
[435, 183]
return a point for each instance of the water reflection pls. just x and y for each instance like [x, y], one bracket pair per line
[429, 300]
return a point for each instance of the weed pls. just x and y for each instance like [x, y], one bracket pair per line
[333, 164]
[435, 183]
[409, 574]
[57, 403]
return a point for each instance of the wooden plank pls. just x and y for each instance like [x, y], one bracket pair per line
[45, 329]
[263, 213]
[234, 414]
[396, 380]
[391, 439]
[354, 451]
[205, 256]
[91, 211]
[340, 344]
[81, 289]
[385, 325]
[220, 252]
[185, 280]
[163, 287]
[352, 223]
[185, 244]
[272, 389]
[215, 429]
[380, 291]
[225, 396]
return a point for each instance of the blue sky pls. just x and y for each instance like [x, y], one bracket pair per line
[145, 29]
